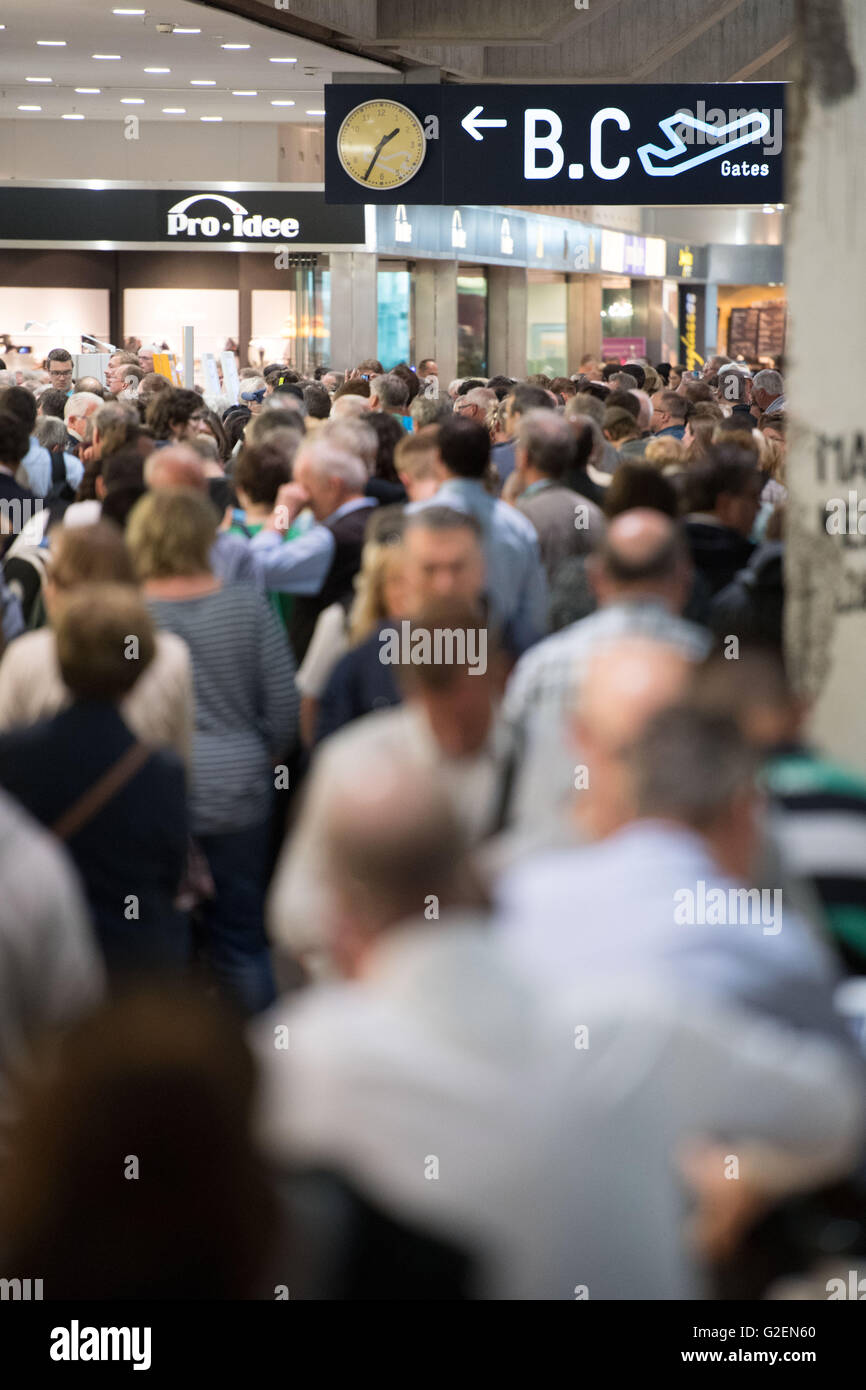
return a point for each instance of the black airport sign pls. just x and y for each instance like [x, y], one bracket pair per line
[495, 145]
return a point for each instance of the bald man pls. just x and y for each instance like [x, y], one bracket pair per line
[425, 1046]
[641, 577]
[626, 684]
[178, 466]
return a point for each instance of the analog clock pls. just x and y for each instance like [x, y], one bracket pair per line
[381, 144]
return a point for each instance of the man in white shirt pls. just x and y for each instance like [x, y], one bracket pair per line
[50, 967]
[541, 1136]
[448, 727]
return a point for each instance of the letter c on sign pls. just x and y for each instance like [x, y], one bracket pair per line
[608, 113]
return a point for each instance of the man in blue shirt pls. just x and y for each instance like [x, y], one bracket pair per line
[669, 415]
[516, 584]
[37, 461]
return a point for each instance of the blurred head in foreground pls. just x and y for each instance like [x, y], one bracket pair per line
[131, 1173]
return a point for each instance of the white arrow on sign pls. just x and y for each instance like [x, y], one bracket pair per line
[471, 123]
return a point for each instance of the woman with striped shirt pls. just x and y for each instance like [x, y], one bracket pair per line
[246, 721]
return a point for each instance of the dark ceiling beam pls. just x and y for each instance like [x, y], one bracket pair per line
[288, 23]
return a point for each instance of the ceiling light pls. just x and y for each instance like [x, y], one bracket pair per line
[315, 113]
[210, 118]
[106, 57]
[174, 110]
[73, 116]
[157, 69]
[244, 94]
[38, 79]
[27, 108]
[282, 60]
[234, 45]
[127, 11]
[132, 101]
[203, 82]
[186, 31]
[50, 43]
[88, 91]
[282, 103]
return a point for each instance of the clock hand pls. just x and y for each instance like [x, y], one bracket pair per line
[379, 148]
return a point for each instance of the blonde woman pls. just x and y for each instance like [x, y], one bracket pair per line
[158, 708]
[668, 454]
[378, 595]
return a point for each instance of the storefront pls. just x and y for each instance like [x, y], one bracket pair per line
[631, 298]
[688, 265]
[752, 322]
[248, 267]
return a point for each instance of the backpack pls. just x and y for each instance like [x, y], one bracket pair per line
[61, 493]
[24, 570]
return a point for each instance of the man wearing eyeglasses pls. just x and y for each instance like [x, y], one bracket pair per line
[60, 369]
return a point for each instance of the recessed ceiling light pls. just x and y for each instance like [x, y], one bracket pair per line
[282, 60]
[234, 45]
[132, 101]
[127, 11]
[38, 79]
[50, 43]
[26, 108]
[174, 110]
[282, 103]
[210, 118]
[203, 82]
[157, 69]
[74, 116]
[244, 94]
[186, 31]
[315, 113]
[88, 91]
[106, 57]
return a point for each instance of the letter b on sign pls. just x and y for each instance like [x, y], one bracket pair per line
[533, 142]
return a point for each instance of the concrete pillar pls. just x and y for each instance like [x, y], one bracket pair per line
[655, 321]
[584, 318]
[434, 330]
[711, 322]
[506, 320]
[826, 471]
[354, 313]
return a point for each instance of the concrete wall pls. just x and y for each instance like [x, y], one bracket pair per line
[166, 151]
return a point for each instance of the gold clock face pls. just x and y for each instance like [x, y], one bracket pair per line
[381, 144]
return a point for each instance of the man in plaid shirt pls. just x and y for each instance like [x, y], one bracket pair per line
[642, 578]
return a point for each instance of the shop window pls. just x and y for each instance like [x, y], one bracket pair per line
[394, 290]
[472, 324]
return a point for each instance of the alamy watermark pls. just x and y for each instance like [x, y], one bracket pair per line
[437, 646]
[15, 513]
[714, 907]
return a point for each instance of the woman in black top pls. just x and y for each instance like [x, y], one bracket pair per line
[119, 805]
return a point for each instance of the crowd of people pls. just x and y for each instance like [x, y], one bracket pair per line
[410, 832]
